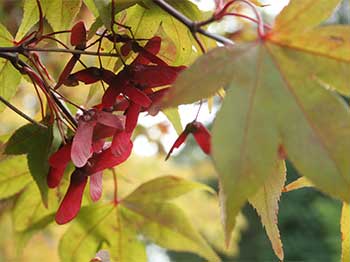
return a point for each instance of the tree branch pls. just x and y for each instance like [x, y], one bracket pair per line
[193, 26]
[22, 49]
[12, 55]
[71, 51]
[20, 113]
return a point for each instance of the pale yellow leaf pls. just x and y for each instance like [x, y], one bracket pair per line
[297, 184]
[302, 15]
[345, 232]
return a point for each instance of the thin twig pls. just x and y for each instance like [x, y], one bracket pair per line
[192, 25]
[266, 26]
[71, 51]
[19, 112]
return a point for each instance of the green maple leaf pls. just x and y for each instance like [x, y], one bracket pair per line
[60, 14]
[30, 216]
[146, 20]
[14, 175]
[145, 214]
[35, 142]
[9, 76]
[281, 94]
[104, 9]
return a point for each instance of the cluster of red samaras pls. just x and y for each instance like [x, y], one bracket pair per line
[129, 92]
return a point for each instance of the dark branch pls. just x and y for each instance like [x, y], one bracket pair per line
[22, 50]
[19, 64]
[193, 26]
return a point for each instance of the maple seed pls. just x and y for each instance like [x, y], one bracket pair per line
[82, 146]
[131, 91]
[78, 35]
[200, 133]
[71, 203]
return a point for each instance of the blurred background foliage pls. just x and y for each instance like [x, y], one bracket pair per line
[308, 220]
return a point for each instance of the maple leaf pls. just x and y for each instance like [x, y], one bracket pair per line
[276, 98]
[265, 201]
[35, 142]
[145, 211]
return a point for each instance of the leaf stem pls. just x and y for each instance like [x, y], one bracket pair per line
[115, 195]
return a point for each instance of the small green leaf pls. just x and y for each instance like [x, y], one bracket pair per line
[174, 117]
[9, 76]
[35, 142]
[61, 14]
[104, 8]
[146, 21]
[14, 175]
[94, 27]
[163, 189]
[92, 7]
[30, 16]
[5, 36]
[179, 34]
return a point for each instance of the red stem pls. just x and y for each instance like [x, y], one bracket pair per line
[40, 100]
[115, 195]
[259, 19]
[266, 26]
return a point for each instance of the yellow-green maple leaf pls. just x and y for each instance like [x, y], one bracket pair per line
[265, 201]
